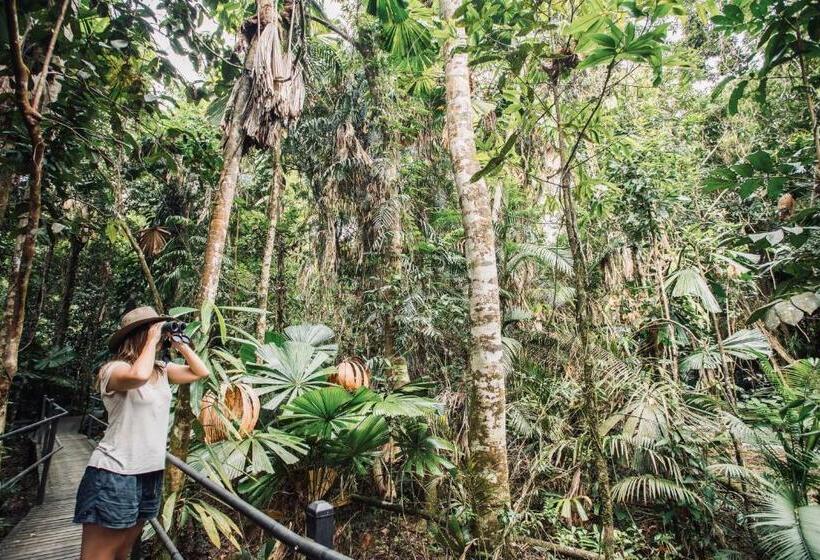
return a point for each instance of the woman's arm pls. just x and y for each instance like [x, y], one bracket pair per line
[194, 370]
[125, 377]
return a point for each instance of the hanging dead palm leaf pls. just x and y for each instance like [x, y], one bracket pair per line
[278, 90]
[152, 240]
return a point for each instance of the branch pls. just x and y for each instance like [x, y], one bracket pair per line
[41, 79]
[398, 508]
[21, 71]
[581, 134]
[561, 549]
[337, 30]
[322, 19]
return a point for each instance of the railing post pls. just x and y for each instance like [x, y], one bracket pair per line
[320, 522]
[51, 434]
[39, 434]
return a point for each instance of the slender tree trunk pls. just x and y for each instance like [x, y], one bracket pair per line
[487, 400]
[70, 282]
[583, 314]
[226, 192]
[549, 189]
[660, 268]
[43, 291]
[232, 149]
[281, 287]
[274, 211]
[11, 330]
[146, 270]
[6, 186]
[386, 195]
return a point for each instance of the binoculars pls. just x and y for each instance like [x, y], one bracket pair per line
[174, 331]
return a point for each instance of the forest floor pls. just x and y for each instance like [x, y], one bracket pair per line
[16, 502]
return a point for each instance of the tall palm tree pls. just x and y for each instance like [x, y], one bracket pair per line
[266, 98]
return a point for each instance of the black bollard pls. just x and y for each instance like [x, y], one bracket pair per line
[321, 525]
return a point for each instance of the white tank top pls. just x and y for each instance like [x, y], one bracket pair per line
[137, 431]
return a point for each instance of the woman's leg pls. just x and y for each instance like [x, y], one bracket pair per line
[101, 543]
[131, 536]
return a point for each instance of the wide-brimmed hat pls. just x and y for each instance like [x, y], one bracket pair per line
[133, 320]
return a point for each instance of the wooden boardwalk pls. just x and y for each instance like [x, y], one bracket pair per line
[47, 532]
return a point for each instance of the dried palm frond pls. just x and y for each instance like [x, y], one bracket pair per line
[278, 89]
[152, 240]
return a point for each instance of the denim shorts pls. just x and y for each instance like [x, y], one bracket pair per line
[117, 501]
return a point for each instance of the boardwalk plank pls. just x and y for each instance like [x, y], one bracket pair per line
[47, 532]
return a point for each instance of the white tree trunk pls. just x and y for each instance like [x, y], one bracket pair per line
[487, 402]
[548, 195]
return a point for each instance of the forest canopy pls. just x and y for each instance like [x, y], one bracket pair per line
[507, 278]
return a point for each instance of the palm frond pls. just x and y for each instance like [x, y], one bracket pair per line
[649, 489]
[785, 530]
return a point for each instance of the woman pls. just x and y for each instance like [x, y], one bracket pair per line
[122, 485]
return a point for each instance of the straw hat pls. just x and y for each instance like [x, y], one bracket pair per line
[133, 320]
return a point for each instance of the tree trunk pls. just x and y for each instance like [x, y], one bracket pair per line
[583, 313]
[274, 211]
[548, 190]
[11, 330]
[281, 287]
[487, 399]
[146, 270]
[70, 282]
[43, 291]
[6, 186]
[232, 148]
[223, 202]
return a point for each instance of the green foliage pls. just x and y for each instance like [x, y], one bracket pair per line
[287, 371]
[787, 531]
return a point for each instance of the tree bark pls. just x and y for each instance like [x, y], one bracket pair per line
[274, 212]
[70, 282]
[487, 399]
[25, 246]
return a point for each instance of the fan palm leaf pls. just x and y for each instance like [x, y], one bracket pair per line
[787, 531]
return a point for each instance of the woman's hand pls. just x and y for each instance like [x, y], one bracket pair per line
[154, 335]
[132, 376]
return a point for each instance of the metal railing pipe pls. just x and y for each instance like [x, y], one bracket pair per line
[34, 425]
[296, 542]
[12, 481]
[165, 540]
